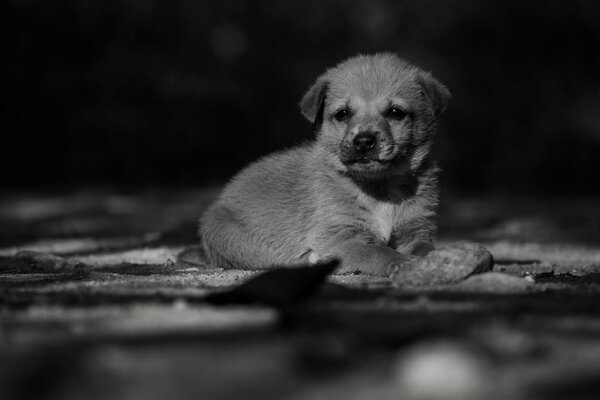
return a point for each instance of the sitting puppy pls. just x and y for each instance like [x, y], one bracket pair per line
[365, 191]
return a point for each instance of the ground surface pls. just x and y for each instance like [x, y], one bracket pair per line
[120, 315]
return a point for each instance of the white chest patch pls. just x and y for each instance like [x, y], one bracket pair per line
[384, 216]
[381, 217]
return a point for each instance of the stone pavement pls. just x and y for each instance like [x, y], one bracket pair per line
[96, 301]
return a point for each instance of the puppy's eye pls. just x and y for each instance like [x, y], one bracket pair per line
[342, 115]
[396, 113]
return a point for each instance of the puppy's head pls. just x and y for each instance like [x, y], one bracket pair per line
[375, 114]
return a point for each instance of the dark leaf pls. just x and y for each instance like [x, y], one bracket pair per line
[281, 287]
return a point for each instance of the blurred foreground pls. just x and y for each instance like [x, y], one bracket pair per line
[120, 316]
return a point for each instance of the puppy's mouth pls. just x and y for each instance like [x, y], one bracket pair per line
[353, 158]
[367, 166]
[379, 155]
[365, 161]
[375, 159]
[379, 160]
[372, 166]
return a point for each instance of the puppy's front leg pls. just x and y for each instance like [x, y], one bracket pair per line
[357, 256]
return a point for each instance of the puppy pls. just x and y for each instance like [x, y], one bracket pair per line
[365, 191]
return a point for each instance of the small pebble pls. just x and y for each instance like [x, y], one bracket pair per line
[446, 265]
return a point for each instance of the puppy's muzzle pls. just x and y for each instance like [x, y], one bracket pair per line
[360, 147]
[364, 142]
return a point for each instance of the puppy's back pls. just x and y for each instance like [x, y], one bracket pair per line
[277, 178]
[268, 202]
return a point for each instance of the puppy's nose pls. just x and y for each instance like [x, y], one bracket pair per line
[364, 141]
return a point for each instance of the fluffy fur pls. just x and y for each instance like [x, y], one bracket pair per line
[370, 206]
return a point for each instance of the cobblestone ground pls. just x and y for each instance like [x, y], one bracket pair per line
[96, 301]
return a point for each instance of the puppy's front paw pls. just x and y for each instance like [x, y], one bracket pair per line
[402, 263]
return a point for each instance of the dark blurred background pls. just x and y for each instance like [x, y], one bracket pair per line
[179, 92]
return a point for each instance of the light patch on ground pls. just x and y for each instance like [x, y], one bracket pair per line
[568, 256]
[145, 320]
[74, 246]
[156, 256]
[181, 318]
[361, 281]
[54, 246]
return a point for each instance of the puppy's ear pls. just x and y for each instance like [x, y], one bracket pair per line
[435, 92]
[313, 100]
